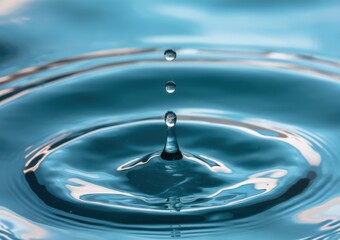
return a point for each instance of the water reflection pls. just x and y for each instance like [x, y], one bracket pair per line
[19, 227]
[327, 214]
[9, 6]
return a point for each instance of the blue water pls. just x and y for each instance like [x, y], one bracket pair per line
[82, 105]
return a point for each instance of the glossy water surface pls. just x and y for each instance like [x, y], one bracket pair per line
[85, 85]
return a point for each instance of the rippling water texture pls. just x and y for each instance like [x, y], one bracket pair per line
[255, 87]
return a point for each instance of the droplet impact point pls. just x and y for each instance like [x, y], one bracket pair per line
[171, 149]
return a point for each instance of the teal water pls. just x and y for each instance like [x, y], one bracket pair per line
[83, 94]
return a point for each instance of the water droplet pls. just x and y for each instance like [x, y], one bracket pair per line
[170, 87]
[170, 119]
[170, 55]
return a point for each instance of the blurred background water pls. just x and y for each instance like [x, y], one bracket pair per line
[82, 94]
[34, 32]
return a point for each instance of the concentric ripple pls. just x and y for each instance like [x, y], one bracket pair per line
[257, 132]
[99, 167]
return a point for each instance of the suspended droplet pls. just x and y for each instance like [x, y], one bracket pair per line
[171, 150]
[170, 119]
[170, 87]
[170, 55]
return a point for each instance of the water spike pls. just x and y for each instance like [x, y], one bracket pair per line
[171, 149]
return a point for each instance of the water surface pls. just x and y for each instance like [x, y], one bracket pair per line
[82, 101]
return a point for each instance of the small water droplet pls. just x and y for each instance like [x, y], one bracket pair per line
[170, 87]
[170, 55]
[170, 119]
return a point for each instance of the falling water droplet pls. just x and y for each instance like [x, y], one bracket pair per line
[170, 87]
[171, 150]
[170, 55]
